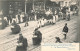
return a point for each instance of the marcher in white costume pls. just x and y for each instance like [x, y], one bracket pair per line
[54, 19]
[56, 15]
[13, 19]
[38, 24]
[45, 21]
[17, 21]
[42, 22]
[5, 18]
[21, 16]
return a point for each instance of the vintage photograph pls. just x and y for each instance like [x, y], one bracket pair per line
[26, 24]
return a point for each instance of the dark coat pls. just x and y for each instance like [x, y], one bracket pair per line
[38, 34]
[39, 37]
[16, 29]
[25, 43]
[20, 39]
[65, 29]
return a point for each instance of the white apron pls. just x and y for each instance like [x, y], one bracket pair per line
[21, 18]
[42, 22]
[5, 18]
[54, 19]
[45, 21]
[14, 19]
[38, 24]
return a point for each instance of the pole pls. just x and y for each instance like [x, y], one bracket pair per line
[25, 6]
[33, 4]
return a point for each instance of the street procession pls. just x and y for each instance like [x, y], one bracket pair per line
[26, 24]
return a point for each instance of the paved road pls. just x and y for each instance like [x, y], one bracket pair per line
[8, 40]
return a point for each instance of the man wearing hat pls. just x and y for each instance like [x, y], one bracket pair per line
[65, 30]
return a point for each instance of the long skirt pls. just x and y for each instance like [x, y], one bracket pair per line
[36, 41]
[17, 21]
[20, 48]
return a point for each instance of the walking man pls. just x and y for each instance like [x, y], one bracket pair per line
[65, 30]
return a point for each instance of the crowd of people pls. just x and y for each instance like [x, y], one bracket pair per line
[57, 15]
[50, 16]
[18, 18]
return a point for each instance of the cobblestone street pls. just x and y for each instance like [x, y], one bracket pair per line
[9, 41]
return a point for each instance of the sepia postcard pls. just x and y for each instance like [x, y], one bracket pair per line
[39, 25]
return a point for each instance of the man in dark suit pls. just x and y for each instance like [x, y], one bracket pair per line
[65, 30]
